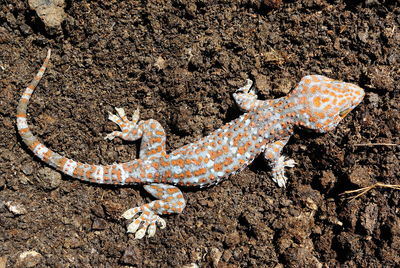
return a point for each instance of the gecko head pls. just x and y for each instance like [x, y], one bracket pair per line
[324, 102]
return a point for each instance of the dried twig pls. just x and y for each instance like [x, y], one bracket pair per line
[364, 190]
[376, 144]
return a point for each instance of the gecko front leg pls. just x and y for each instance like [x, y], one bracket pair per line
[150, 131]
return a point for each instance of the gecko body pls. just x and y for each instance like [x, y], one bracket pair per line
[318, 103]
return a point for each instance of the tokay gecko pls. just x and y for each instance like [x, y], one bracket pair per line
[318, 103]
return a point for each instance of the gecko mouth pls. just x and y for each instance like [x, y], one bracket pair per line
[344, 112]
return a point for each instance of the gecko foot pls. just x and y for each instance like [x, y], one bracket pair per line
[278, 171]
[147, 221]
[130, 130]
[247, 88]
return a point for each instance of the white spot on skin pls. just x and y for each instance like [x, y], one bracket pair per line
[210, 163]
[69, 167]
[21, 122]
[123, 174]
[40, 150]
[176, 170]
[98, 174]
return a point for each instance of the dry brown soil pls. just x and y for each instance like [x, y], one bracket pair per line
[179, 62]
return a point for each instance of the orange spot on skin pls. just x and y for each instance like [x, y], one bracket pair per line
[180, 162]
[155, 188]
[78, 172]
[155, 140]
[343, 101]
[47, 155]
[228, 161]
[270, 155]
[24, 130]
[128, 167]
[172, 190]
[160, 133]
[317, 101]
[213, 155]
[321, 115]
[33, 145]
[200, 171]
[327, 108]
[303, 100]
[315, 79]
[217, 167]
[242, 150]
[90, 172]
[312, 119]
[168, 174]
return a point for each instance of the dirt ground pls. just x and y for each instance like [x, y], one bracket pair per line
[179, 62]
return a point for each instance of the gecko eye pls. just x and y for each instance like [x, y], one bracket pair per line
[344, 112]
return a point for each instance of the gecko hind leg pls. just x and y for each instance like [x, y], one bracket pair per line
[146, 217]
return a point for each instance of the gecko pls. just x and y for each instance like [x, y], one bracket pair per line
[317, 103]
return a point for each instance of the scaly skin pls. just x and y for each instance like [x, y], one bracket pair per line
[317, 103]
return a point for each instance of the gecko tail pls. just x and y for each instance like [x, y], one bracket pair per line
[86, 172]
